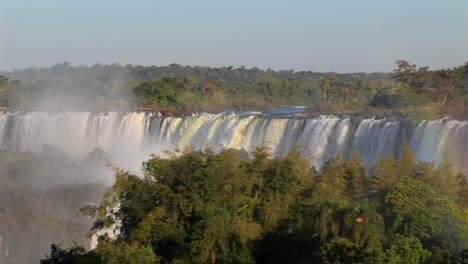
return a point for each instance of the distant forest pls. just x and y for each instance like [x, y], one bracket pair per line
[419, 91]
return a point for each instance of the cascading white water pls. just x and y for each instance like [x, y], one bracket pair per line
[321, 138]
[131, 137]
[76, 133]
[444, 138]
[375, 138]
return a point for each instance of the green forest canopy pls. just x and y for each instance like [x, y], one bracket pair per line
[201, 207]
[408, 88]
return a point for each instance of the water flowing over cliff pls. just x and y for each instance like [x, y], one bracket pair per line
[131, 137]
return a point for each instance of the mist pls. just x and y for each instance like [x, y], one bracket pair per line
[43, 186]
[40, 197]
[66, 88]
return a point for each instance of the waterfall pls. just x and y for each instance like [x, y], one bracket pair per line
[131, 137]
[374, 138]
[76, 133]
[444, 138]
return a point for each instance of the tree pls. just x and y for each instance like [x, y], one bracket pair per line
[364, 225]
[123, 253]
[462, 197]
[73, 255]
[407, 162]
[442, 178]
[447, 82]
[341, 250]
[384, 175]
[407, 250]
[3, 90]
[390, 101]
[202, 207]
[332, 181]
[414, 208]
[442, 84]
[327, 84]
[412, 77]
[357, 182]
[283, 182]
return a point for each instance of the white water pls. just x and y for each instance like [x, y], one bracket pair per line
[131, 137]
[76, 133]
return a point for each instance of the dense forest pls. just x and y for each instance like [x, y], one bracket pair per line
[239, 207]
[175, 88]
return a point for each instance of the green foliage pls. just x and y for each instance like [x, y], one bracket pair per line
[407, 250]
[356, 178]
[165, 92]
[202, 207]
[384, 175]
[73, 255]
[407, 162]
[123, 253]
[341, 250]
[106, 253]
[416, 91]
[431, 86]
[332, 181]
[417, 209]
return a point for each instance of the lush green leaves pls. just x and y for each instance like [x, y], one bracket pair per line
[202, 207]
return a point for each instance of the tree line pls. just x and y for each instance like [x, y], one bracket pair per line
[175, 87]
[239, 207]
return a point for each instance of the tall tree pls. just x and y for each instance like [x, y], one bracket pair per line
[327, 83]
[447, 82]
[357, 181]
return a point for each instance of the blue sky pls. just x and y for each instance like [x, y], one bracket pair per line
[332, 35]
